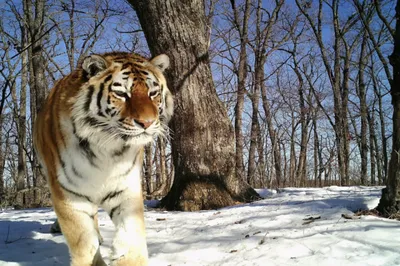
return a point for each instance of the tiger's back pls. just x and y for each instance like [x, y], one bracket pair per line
[89, 137]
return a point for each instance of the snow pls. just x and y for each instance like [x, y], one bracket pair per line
[267, 232]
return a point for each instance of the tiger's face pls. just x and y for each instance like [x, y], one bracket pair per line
[126, 99]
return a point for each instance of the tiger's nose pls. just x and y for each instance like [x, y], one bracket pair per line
[144, 123]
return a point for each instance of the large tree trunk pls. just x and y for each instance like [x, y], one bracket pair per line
[390, 201]
[203, 147]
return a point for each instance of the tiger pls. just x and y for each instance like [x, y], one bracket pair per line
[89, 137]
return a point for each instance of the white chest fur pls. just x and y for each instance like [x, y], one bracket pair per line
[94, 172]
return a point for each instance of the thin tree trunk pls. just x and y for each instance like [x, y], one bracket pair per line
[261, 159]
[304, 121]
[20, 176]
[254, 133]
[382, 122]
[372, 148]
[273, 137]
[2, 161]
[293, 162]
[363, 112]
[37, 82]
[241, 80]
[203, 146]
[390, 200]
[148, 172]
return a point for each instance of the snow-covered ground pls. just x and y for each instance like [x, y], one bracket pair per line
[279, 230]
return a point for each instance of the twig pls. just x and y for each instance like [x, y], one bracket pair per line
[12, 241]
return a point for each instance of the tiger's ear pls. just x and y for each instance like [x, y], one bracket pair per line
[94, 64]
[161, 61]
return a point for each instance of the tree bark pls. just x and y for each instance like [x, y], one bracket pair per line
[389, 204]
[363, 113]
[304, 122]
[255, 125]
[2, 161]
[35, 17]
[241, 80]
[148, 171]
[203, 146]
[378, 95]
[373, 151]
[162, 185]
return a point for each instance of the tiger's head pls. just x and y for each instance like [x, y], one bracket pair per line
[125, 99]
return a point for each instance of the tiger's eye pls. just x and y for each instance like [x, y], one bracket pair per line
[120, 93]
[153, 93]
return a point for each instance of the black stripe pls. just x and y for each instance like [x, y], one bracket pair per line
[108, 78]
[126, 65]
[99, 96]
[125, 137]
[64, 169]
[117, 84]
[74, 193]
[121, 151]
[74, 127]
[89, 98]
[111, 195]
[91, 121]
[130, 168]
[113, 210]
[88, 152]
[126, 72]
[108, 130]
[76, 173]
[91, 215]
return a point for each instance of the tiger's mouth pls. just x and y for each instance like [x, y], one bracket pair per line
[139, 136]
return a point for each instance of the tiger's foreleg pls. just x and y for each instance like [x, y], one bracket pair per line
[96, 224]
[77, 221]
[129, 244]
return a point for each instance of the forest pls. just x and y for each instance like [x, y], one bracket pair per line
[305, 86]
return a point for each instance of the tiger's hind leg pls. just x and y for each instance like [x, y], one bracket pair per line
[81, 232]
